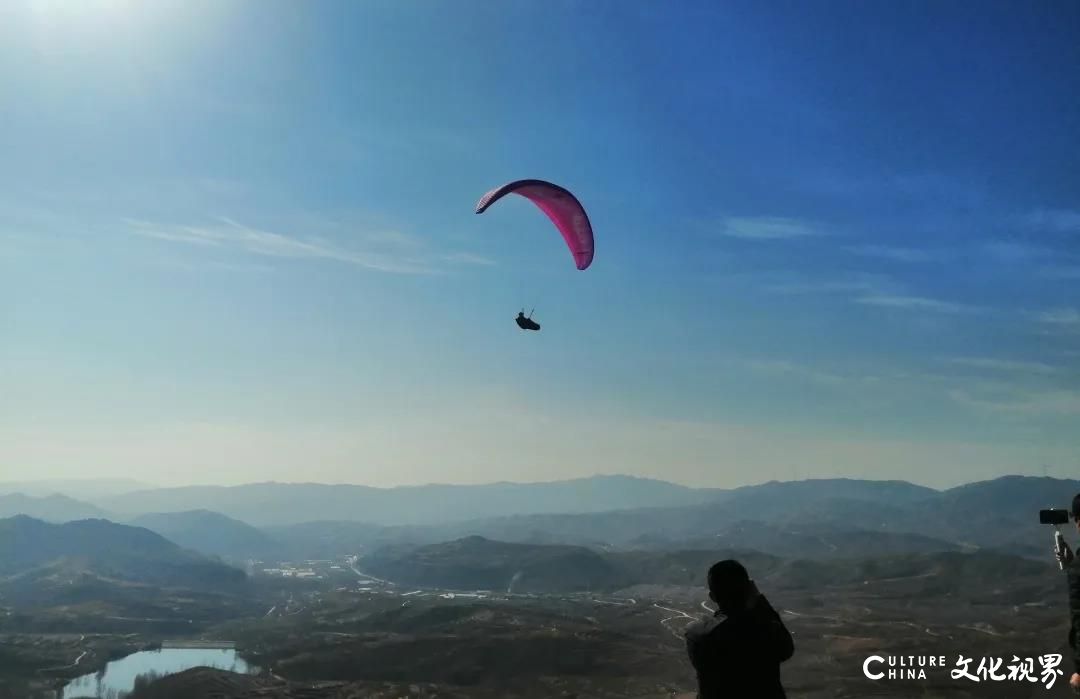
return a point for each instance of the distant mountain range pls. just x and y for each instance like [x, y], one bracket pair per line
[806, 519]
[1000, 515]
[78, 488]
[269, 504]
[805, 540]
[51, 508]
[826, 518]
[33, 552]
[210, 533]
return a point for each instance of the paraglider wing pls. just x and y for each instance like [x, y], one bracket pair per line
[562, 207]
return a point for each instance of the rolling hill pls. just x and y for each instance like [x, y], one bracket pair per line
[210, 533]
[33, 551]
[51, 508]
[327, 539]
[476, 563]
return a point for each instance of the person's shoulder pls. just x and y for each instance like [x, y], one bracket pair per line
[1072, 570]
[702, 627]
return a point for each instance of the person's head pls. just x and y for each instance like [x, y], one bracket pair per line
[1076, 510]
[729, 585]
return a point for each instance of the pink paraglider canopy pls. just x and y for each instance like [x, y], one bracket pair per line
[562, 207]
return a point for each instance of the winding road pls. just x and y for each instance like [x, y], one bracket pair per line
[679, 614]
[369, 577]
[879, 623]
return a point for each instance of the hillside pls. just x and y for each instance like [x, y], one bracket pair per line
[51, 508]
[810, 540]
[327, 539]
[476, 563]
[32, 551]
[999, 514]
[889, 492]
[210, 533]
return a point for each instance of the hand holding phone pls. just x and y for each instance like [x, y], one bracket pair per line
[1062, 551]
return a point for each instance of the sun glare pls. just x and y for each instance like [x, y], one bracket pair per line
[78, 9]
[82, 18]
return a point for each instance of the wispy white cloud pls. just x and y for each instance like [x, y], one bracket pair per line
[1002, 365]
[379, 250]
[1005, 395]
[775, 367]
[766, 228]
[854, 284]
[917, 303]
[178, 234]
[222, 186]
[385, 238]
[468, 258]
[899, 254]
[1013, 251]
[1060, 272]
[1054, 220]
[1063, 318]
[1055, 402]
[928, 187]
[175, 262]
[872, 290]
[1038, 260]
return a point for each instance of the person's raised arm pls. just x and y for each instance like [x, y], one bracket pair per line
[775, 634]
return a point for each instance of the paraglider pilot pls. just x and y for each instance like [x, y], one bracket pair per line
[526, 323]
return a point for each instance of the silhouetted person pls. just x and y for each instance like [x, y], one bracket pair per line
[737, 653]
[1072, 569]
[526, 323]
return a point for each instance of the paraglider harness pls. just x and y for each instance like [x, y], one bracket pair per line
[526, 322]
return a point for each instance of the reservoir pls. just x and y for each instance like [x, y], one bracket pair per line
[119, 676]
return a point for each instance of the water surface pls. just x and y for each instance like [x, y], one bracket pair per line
[118, 677]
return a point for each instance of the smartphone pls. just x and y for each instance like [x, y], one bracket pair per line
[1053, 516]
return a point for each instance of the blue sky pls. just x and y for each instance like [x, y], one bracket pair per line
[833, 239]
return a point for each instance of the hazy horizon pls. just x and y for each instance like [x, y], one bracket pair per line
[70, 487]
[237, 242]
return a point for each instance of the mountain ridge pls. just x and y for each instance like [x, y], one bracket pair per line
[992, 515]
[106, 550]
[271, 503]
[51, 508]
[209, 532]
